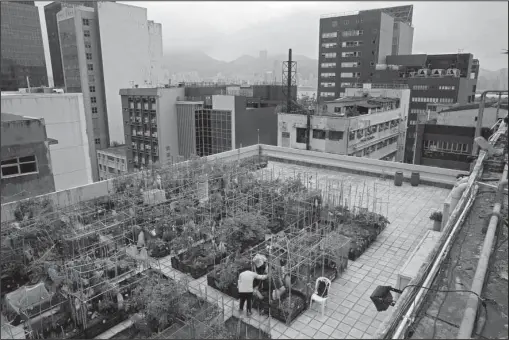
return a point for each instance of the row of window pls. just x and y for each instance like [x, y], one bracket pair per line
[441, 87]
[329, 55]
[346, 22]
[412, 122]
[432, 100]
[327, 94]
[328, 84]
[345, 34]
[317, 134]
[418, 111]
[350, 74]
[19, 166]
[343, 44]
[372, 148]
[351, 54]
[328, 75]
[361, 133]
[442, 146]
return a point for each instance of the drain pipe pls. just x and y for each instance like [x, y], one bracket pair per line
[467, 324]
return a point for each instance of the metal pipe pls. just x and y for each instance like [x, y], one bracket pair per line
[480, 115]
[436, 266]
[468, 321]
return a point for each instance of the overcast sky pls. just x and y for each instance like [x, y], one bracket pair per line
[227, 30]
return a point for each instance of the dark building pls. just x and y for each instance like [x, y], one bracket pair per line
[446, 146]
[23, 62]
[352, 44]
[50, 13]
[25, 158]
[439, 79]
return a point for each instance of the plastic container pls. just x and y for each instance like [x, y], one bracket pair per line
[398, 178]
[415, 179]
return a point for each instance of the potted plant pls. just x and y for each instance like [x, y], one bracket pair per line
[436, 217]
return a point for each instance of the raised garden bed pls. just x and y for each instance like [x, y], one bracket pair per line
[283, 309]
[242, 330]
[199, 260]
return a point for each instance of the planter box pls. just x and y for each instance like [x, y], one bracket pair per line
[299, 304]
[189, 266]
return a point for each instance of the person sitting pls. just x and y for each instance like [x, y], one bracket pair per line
[245, 286]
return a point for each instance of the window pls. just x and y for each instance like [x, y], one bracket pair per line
[327, 94]
[328, 75]
[329, 45]
[334, 23]
[94, 110]
[91, 88]
[97, 141]
[318, 134]
[89, 56]
[88, 45]
[19, 166]
[335, 135]
[420, 87]
[346, 22]
[351, 54]
[350, 74]
[351, 43]
[93, 99]
[285, 134]
[86, 33]
[330, 35]
[328, 65]
[347, 85]
[91, 78]
[352, 33]
[90, 67]
[328, 84]
[86, 22]
[301, 135]
[351, 64]
[329, 55]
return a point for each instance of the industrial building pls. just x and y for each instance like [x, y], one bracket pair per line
[351, 44]
[112, 162]
[23, 61]
[73, 162]
[26, 158]
[366, 122]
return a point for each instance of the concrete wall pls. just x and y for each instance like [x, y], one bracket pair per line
[468, 117]
[405, 38]
[125, 56]
[20, 139]
[385, 37]
[155, 34]
[186, 120]
[251, 123]
[167, 123]
[65, 120]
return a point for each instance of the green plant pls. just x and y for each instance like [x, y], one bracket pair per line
[436, 216]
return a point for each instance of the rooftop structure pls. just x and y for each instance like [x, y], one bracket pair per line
[307, 197]
[112, 162]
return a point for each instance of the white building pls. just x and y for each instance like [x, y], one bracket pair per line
[131, 49]
[365, 123]
[66, 122]
[112, 162]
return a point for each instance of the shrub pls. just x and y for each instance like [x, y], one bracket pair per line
[436, 216]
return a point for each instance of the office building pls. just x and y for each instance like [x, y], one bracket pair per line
[25, 157]
[351, 45]
[131, 54]
[444, 79]
[72, 160]
[367, 122]
[146, 112]
[50, 13]
[23, 61]
[112, 162]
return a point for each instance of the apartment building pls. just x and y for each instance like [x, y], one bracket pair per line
[22, 51]
[368, 122]
[351, 44]
[442, 79]
[72, 160]
[50, 13]
[146, 112]
[112, 162]
[25, 157]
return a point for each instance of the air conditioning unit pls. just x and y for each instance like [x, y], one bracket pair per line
[453, 72]
[423, 72]
[438, 72]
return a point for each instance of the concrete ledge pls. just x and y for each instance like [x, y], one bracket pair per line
[438, 177]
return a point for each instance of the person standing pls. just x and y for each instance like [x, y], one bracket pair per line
[245, 285]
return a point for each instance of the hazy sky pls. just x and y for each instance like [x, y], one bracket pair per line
[227, 30]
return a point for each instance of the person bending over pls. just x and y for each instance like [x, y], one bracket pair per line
[245, 286]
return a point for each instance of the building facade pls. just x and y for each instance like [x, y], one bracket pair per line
[23, 61]
[434, 79]
[25, 158]
[365, 123]
[352, 44]
[64, 115]
[82, 66]
[112, 162]
[50, 13]
[131, 54]
[147, 112]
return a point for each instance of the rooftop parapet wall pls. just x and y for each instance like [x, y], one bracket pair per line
[429, 175]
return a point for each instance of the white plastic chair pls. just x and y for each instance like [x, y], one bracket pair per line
[318, 298]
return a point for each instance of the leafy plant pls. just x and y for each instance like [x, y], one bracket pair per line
[243, 230]
[436, 216]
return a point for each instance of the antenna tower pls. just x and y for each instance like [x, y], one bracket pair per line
[289, 79]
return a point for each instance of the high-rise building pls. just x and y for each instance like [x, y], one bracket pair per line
[434, 79]
[50, 13]
[351, 45]
[23, 62]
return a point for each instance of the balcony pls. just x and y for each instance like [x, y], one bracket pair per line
[153, 121]
[146, 120]
[154, 134]
[147, 134]
[138, 119]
